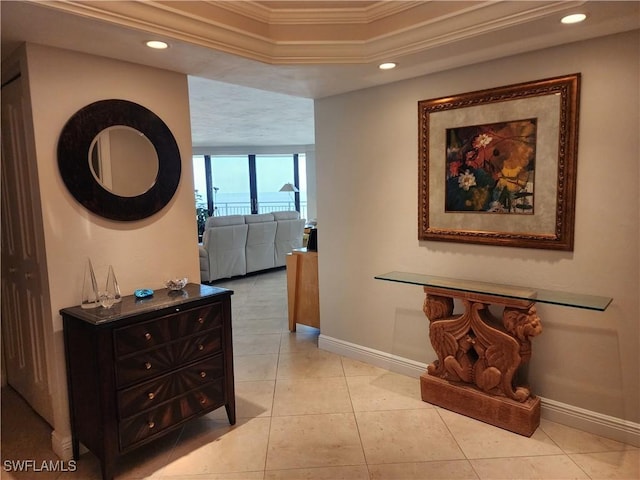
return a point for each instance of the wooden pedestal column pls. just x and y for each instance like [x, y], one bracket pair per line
[302, 288]
[481, 367]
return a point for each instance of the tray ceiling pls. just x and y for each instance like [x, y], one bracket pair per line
[307, 49]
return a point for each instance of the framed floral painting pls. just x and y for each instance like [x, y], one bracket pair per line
[498, 166]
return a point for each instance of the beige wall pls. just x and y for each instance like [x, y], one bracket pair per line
[366, 160]
[143, 253]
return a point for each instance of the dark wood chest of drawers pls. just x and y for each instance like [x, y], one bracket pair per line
[144, 367]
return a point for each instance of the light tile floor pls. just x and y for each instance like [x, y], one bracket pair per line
[305, 413]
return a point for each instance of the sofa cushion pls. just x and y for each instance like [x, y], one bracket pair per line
[288, 236]
[260, 246]
[224, 221]
[226, 248]
[288, 215]
[259, 218]
[203, 254]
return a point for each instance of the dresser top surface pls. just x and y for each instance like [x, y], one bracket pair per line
[131, 306]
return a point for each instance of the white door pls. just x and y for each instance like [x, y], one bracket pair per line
[23, 261]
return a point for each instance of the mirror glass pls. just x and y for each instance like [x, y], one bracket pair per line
[123, 161]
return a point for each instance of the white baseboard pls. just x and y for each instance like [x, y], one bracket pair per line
[592, 422]
[572, 416]
[61, 446]
[368, 355]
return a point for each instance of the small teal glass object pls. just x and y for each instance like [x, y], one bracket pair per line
[143, 293]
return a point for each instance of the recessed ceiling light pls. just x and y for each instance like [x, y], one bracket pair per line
[574, 18]
[387, 66]
[158, 45]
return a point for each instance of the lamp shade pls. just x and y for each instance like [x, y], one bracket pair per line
[289, 187]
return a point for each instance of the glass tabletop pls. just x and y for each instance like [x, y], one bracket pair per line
[577, 300]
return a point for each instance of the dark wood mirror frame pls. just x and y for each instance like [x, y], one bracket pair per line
[73, 159]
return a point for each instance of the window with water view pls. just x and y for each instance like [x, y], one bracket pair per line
[245, 184]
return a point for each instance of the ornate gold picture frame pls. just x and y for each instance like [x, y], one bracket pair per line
[498, 166]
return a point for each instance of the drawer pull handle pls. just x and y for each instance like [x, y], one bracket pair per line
[201, 347]
[203, 401]
[151, 424]
[203, 374]
[147, 336]
[147, 366]
[151, 395]
[200, 320]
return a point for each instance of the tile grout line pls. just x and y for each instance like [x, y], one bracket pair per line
[355, 418]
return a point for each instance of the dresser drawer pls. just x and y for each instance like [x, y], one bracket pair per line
[132, 401]
[150, 363]
[156, 332]
[145, 425]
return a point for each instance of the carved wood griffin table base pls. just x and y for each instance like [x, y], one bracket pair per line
[481, 369]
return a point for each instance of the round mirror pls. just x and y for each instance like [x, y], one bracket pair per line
[119, 160]
[123, 161]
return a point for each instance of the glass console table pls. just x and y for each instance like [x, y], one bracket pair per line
[481, 366]
[590, 302]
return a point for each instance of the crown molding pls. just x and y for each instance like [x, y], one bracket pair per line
[320, 15]
[248, 29]
[158, 18]
[488, 17]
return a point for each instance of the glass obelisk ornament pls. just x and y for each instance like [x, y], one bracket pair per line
[90, 297]
[111, 292]
[112, 285]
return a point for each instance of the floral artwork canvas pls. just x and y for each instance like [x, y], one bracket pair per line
[490, 168]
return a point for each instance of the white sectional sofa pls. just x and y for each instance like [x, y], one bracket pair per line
[239, 244]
